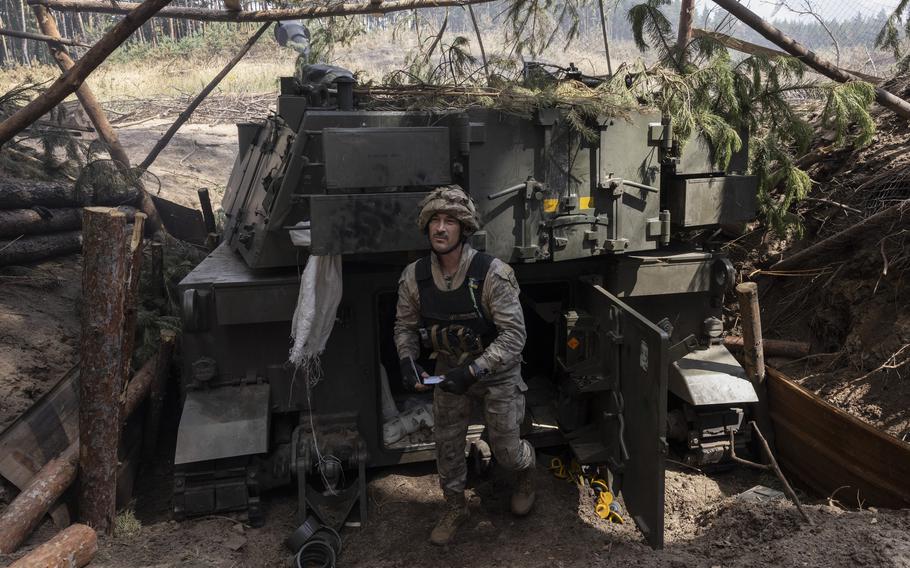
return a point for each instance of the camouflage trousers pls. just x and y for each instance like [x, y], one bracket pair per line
[503, 410]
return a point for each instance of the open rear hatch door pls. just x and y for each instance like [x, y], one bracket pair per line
[632, 412]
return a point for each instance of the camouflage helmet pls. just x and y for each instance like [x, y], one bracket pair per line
[452, 200]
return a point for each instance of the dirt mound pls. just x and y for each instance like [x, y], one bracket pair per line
[850, 302]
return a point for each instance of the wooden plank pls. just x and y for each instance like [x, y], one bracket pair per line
[832, 451]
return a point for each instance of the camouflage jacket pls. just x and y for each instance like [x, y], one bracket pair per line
[500, 301]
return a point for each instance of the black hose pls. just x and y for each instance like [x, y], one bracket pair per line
[320, 547]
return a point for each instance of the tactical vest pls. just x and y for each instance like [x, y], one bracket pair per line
[454, 322]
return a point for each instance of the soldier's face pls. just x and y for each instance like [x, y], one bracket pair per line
[444, 232]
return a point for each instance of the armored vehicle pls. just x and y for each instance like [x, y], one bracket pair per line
[624, 358]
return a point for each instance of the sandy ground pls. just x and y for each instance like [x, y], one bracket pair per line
[706, 524]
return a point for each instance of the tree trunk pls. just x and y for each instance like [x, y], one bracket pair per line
[72, 79]
[188, 112]
[684, 35]
[85, 95]
[810, 58]
[21, 516]
[21, 194]
[104, 279]
[29, 249]
[25, 58]
[5, 55]
[73, 547]
[303, 12]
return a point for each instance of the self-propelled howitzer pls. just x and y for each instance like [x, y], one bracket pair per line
[624, 359]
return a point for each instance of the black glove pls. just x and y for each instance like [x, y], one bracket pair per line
[408, 378]
[458, 380]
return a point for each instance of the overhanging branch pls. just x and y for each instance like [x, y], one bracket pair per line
[302, 13]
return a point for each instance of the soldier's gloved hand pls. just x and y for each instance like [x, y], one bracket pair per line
[459, 379]
[409, 380]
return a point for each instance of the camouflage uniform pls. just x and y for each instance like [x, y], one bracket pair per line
[500, 390]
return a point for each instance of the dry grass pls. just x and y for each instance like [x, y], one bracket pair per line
[126, 525]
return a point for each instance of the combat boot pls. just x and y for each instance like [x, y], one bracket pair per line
[456, 513]
[523, 496]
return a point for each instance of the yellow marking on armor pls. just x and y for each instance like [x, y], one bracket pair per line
[573, 343]
[585, 202]
[550, 205]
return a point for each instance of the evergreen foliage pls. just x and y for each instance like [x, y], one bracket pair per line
[713, 96]
[890, 37]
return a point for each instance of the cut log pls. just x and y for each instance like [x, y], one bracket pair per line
[754, 357]
[25, 512]
[137, 388]
[16, 222]
[67, 84]
[36, 247]
[773, 347]
[73, 547]
[156, 393]
[22, 194]
[104, 284]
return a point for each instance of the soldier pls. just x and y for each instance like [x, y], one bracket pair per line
[464, 305]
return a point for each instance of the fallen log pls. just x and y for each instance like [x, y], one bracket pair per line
[73, 547]
[888, 100]
[773, 347]
[25, 512]
[15, 222]
[22, 194]
[104, 287]
[38, 220]
[137, 388]
[36, 247]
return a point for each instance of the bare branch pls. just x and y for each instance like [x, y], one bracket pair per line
[303, 13]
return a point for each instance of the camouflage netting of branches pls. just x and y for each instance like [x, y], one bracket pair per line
[702, 88]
